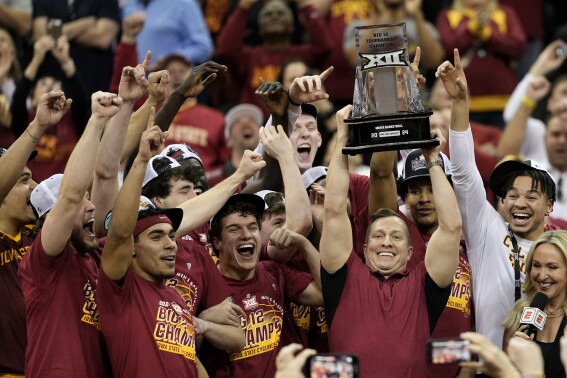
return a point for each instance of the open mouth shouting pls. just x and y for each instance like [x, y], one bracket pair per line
[246, 250]
[88, 228]
[303, 151]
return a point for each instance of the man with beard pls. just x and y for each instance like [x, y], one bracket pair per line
[139, 312]
[59, 272]
[15, 214]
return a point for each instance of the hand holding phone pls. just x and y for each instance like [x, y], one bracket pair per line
[54, 28]
[332, 366]
[445, 351]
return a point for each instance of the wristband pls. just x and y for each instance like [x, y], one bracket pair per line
[291, 101]
[35, 140]
[529, 103]
[433, 163]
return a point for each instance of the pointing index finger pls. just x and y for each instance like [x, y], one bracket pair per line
[326, 73]
[146, 62]
[457, 59]
[417, 56]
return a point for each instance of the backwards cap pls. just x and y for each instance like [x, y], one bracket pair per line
[503, 170]
[151, 173]
[312, 175]
[180, 152]
[45, 194]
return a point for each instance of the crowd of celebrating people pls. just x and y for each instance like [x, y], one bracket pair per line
[175, 200]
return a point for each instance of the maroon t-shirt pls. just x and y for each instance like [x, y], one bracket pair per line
[384, 322]
[12, 308]
[148, 328]
[457, 316]
[309, 322]
[263, 299]
[359, 219]
[197, 277]
[64, 338]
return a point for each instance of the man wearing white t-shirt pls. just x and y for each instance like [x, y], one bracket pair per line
[528, 194]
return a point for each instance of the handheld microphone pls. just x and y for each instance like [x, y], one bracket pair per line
[533, 316]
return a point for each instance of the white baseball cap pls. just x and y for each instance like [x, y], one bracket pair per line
[45, 194]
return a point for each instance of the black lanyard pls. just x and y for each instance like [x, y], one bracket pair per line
[517, 281]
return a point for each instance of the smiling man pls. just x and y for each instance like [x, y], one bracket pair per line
[527, 193]
[398, 306]
[260, 288]
[139, 312]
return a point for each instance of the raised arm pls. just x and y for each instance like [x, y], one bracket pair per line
[16, 157]
[77, 175]
[514, 133]
[455, 84]
[383, 192]
[200, 76]
[117, 253]
[335, 250]
[133, 85]
[298, 210]
[275, 98]
[199, 210]
[138, 121]
[16, 19]
[442, 254]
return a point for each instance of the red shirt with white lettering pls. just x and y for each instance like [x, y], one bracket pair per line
[12, 308]
[263, 299]
[64, 338]
[148, 328]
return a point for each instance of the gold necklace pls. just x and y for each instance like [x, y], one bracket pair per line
[555, 313]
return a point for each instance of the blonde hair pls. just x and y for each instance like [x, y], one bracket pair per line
[15, 72]
[556, 238]
[490, 5]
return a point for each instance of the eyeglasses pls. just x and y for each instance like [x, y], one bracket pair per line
[274, 199]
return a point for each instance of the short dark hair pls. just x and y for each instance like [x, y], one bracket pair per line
[540, 180]
[161, 185]
[241, 208]
[386, 213]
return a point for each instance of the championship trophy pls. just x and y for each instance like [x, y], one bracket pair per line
[387, 112]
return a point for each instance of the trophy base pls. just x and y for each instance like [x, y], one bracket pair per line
[388, 133]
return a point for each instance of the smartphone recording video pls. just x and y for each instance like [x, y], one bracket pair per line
[332, 366]
[448, 351]
[54, 28]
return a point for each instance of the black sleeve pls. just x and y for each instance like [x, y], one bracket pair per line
[80, 108]
[333, 285]
[436, 298]
[18, 107]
